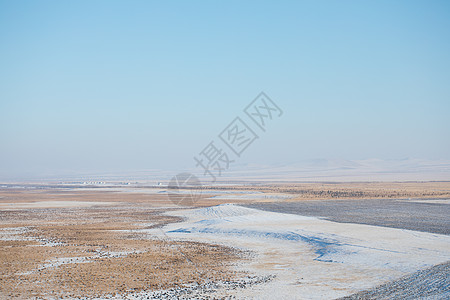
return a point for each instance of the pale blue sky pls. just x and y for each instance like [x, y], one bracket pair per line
[126, 85]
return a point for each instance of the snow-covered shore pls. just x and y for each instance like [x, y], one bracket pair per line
[310, 257]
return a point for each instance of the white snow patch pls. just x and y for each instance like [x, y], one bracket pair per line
[311, 257]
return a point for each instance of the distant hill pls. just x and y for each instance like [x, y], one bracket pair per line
[407, 169]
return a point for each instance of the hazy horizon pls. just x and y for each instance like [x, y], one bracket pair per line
[110, 86]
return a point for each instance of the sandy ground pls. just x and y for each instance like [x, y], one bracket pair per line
[116, 243]
[50, 204]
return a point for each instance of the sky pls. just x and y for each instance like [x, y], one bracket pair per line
[115, 86]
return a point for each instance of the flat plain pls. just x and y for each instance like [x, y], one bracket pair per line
[244, 241]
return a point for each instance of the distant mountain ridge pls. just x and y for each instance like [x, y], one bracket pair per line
[311, 170]
[346, 170]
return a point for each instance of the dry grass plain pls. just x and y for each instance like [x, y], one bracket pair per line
[92, 251]
[351, 190]
[93, 244]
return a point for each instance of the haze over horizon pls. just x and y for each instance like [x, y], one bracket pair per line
[111, 87]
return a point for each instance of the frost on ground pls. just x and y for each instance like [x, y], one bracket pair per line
[208, 290]
[310, 257]
[101, 253]
[139, 245]
[431, 283]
